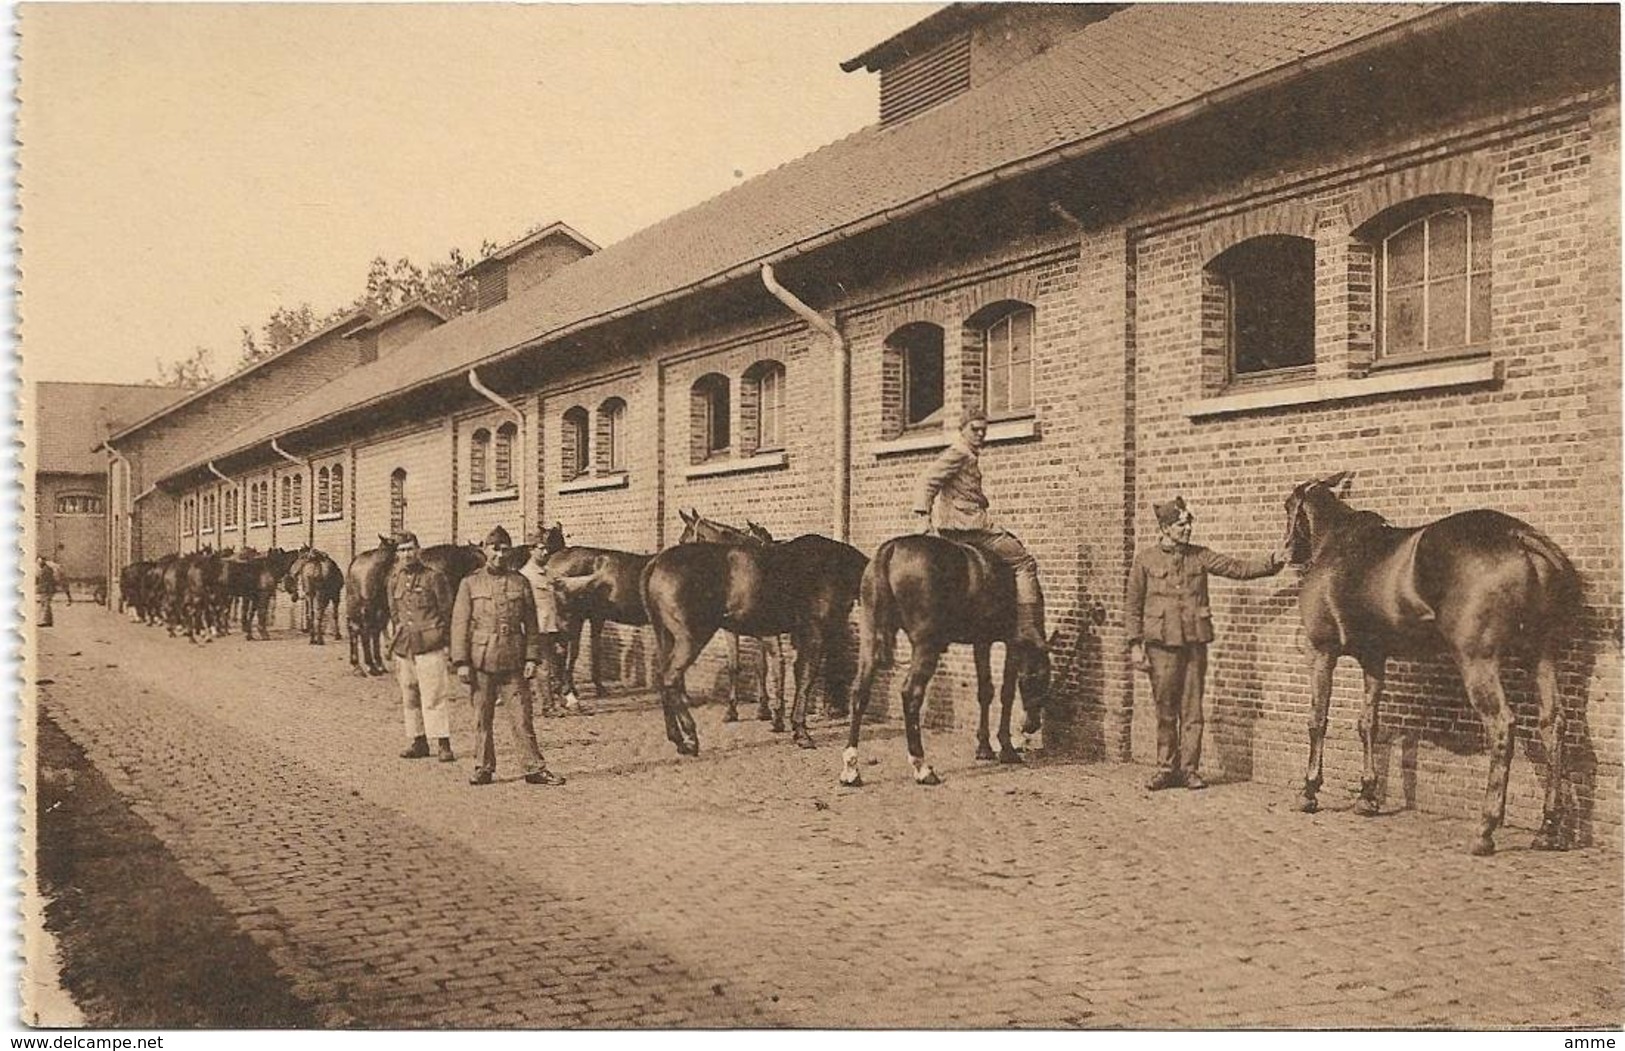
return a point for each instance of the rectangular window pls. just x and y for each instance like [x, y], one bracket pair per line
[770, 409]
[1008, 344]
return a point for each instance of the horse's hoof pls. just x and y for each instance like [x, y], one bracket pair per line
[804, 740]
[985, 752]
[930, 778]
[1366, 807]
[1549, 841]
[763, 714]
[1010, 755]
[851, 779]
[1483, 847]
[731, 717]
[778, 724]
[1309, 804]
[688, 748]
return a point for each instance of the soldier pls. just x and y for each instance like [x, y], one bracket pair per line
[952, 485]
[1169, 625]
[550, 625]
[420, 608]
[495, 646]
[44, 588]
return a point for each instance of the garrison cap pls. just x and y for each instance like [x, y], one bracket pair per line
[498, 535]
[405, 537]
[1168, 511]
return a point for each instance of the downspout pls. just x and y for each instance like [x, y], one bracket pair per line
[118, 559]
[843, 397]
[522, 465]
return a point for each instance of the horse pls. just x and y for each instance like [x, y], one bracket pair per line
[941, 592]
[804, 586]
[454, 561]
[316, 578]
[1478, 584]
[594, 585]
[366, 606]
[266, 573]
[696, 528]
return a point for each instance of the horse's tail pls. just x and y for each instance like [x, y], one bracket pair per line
[877, 616]
[1560, 581]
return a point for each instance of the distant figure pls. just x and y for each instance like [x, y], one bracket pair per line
[45, 578]
[495, 645]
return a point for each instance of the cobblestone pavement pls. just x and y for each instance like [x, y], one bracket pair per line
[745, 888]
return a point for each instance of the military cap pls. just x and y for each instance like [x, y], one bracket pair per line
[498, 535]
[405, 537]
[1169, 511]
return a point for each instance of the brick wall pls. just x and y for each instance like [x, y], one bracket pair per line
[1521, 445]
[77, 542]
[426, 455]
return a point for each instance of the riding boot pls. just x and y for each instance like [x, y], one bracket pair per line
[1030, 625]
[418, 749]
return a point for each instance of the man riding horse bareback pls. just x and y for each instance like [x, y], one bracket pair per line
[950, 496]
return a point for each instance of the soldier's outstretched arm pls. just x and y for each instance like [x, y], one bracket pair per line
[1240, 568]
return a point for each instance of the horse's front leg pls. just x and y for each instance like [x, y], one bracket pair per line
[923, 666]
[869, 654]
[984, 699]
[732, 713]
[572, 653]
[1375, 666]
[1008, 753]
[1483, 678]
[683, 648]
[772, 662]
[597, 657]
[1320, 685]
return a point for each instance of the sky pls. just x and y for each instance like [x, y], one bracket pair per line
[187, 169]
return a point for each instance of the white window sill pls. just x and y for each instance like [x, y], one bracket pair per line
[1390, 381]
[331, 516]
[228, 529]
[998, 431]
[291, 521]
[761, 462]
[259, 525]
[494, 496]
[592, 483]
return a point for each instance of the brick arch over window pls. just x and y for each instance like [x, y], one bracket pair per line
[479, 457]
[1427, 264]
[761, 408]
[1287, 219]
[502, 455]
[1458, 176]
[996, 368]
[610, 449]
[573, 436]
[710, 420]
[1258, 309]
[912, 379]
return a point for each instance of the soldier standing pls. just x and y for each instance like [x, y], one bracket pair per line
[1170, 623]
[420, 608]
[550, 625]
[495, 646]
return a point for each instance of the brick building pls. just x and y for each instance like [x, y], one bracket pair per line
[69, 491]
[1170, 248]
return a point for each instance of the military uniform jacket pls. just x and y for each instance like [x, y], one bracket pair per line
[1167, 591]
[548, 618]
[950, 490]
[420, 606]
[493, 623]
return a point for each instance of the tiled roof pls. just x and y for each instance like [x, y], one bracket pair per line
[71, 418]
[1129, 68]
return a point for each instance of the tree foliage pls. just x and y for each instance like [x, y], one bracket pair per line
[190, 373]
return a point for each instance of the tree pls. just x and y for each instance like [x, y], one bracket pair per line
[189, 373]
[440, 285]
[285, 328]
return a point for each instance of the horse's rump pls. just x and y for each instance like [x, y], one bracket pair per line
[936, 588]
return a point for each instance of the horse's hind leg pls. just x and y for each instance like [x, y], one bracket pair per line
[858, 703]
[1553, 719]
[1320, 685]
[1483, 678]
[1008, 752]
[772, 662]
[922, 667]
[984, 698]
[678, 653]
[809, 658]
[732, 713]
[1375, 666]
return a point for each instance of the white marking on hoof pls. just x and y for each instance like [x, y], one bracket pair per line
[923, 774]
[1019, 742]
[571, 700]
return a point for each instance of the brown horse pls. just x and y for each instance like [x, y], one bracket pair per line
[265, 574]
[698, 529]
[594, 585]
[940, 592]
[366, 605]
[1477, 584]
[804, 586]
[317, 580]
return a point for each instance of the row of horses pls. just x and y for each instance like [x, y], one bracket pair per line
[1479, 585]
[202, 593]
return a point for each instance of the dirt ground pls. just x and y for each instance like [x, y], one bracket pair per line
[141, 944]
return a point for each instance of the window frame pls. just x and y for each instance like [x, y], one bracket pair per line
[479, 461]
[1004, 313]
[61, 498]
[1477, 212]
[575, 454]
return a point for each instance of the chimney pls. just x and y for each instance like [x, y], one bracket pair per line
[526, 263]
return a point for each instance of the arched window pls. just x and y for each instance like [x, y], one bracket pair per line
[397, 500]
[479, 452]
[912, 378]
[761, 407]
[1432, 262]
[1000, 338]
[79, 504]
[336, 494]
[502, 454]
[324, 490]
[228, 508]
[1258, 308]
[612, 436]
[186, 517]
[285, 498]
[208, 512]
[573, 439]
[709, 419]
[298, 496]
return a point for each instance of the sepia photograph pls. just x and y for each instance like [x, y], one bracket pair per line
[637, 519]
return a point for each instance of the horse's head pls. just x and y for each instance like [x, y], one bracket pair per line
[698, 529]
[1034, 680]
[1301, 506]
[759, 532]
[553, 538]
